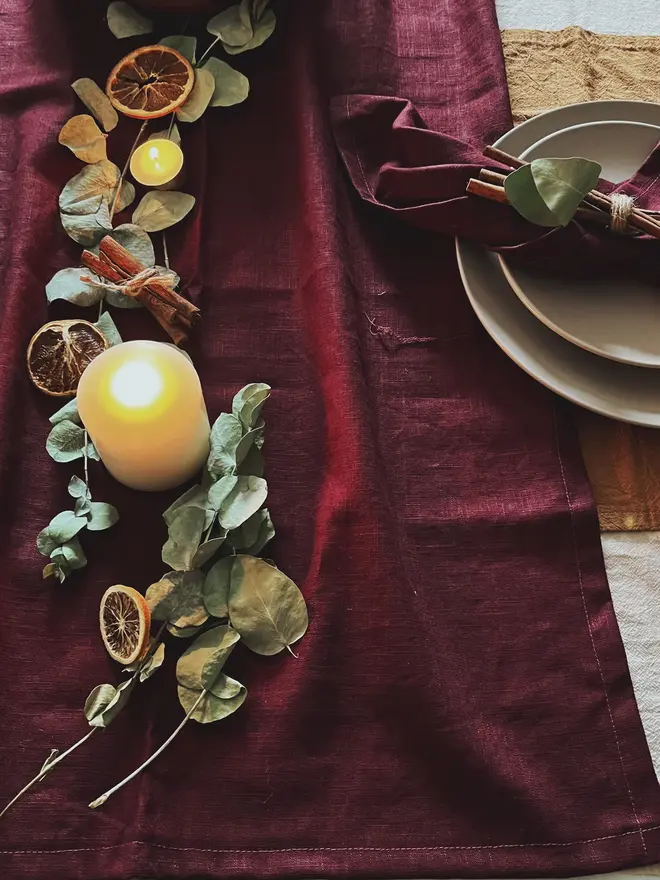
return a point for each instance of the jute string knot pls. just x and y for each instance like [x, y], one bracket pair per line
[622, 208]
[132, 286]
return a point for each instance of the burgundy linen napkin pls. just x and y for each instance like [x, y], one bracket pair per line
[461, 705]
[398, 163]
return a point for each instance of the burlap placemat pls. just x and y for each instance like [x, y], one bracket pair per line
[547, 69]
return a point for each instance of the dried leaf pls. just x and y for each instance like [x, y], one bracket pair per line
[236, 498]
[84, 138]
[253, 463]
[68, 412]
[82, 507]
[231, 86]
[248, 403]
[194, 497]
[255, 436]
[201, 664]
[226, 434]
[124, 21]
[102, 706]
[160, 210]
[177, 599]
[199, 98]
[137, 242]
[67, 284]
[97, 102]
[185, 535]
[77, 488]
[263, 29]
[207, 550]
[54, 570]
[70, 555]
[66, 442]
[187, 46]
[95, 184]
[61, 528]
[184, 632]
[154, 662]
[102, 516]
[231, 27]
[265, 606]
[548, 191]
[109, 329]
[87, 229]
[216, 587]
[210, 707]
[254, 534]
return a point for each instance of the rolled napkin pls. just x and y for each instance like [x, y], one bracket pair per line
[397, 163]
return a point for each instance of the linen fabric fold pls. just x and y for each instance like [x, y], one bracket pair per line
[461, 704]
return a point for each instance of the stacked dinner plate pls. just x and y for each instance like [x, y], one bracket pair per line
[595, 343]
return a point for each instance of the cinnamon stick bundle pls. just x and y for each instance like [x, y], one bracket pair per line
[115, 264]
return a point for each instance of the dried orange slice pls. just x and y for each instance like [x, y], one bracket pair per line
[60, 351]
[150, 82]
[125, 619]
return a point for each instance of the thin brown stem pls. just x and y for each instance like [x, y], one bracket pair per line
[124, 171]
[166, 256]
[45, 770]
[108, 794]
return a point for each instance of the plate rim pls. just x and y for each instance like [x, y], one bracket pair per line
[548, 120]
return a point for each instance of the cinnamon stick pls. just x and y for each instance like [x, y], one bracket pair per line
[638, 218]
[174, 313]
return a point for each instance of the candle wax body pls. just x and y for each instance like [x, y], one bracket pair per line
[156, 162]
[142, 404]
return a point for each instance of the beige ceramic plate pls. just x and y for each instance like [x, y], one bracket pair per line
[624, 392]
[612, 318]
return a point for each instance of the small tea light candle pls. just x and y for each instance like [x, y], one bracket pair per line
[142, 405]
[156, 162]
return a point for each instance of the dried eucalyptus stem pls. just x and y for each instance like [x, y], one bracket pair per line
[124, 170]
[108, 794]
[49, 764]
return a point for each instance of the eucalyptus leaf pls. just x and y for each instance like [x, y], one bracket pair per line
[177, 599]
[226, 434]
[210, 707]
[73, 554]
[50, 760]
[67, 284]
[548, 191]
[258, 8]
[254, 534]
[253, 463]
[154, 662]
[61, 528]
[124, 21]
[187, 46]
[137, 242]
[84, 138]
[263, 29]
[216, 587]
[166, 134]
[102, 516]
[248, 403]
[160, 210]
[245, 496]
[199, 98]
[265, 606]
[231, 86]
[82, 507]
[66, 442]
[201, 664]
[185, 535]
[184, 632]
[102, 708]
[67, 413]
[231, 27]
[88, 228]
[207, 550]
[77, 488]
[109, 329]
[245, 12]
[248, 439]
[193, 497]
[95, 184]
[97, 102]
[54, 570]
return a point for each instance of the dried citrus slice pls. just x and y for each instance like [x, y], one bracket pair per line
[150, 82]
[125, 620]
[60, 351]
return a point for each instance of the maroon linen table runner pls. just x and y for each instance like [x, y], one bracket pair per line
[461, 705]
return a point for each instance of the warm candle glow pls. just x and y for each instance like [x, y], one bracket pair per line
[156, 162]
[142, 405]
